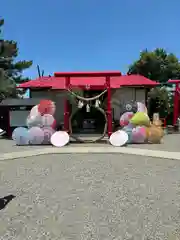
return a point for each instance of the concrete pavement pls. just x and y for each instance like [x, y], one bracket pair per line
[170, 149]
[80, 149]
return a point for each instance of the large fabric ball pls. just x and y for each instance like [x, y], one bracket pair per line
[130, 106]
[139, 134]
[34, 112]
[20, 136]
[46, 107]
[128, 129]
[118, 138]
[36, 136]
[60, 139]
[54, 124]
[125, 118]
[141, 107]
[155, 134]
[48, 132]
[34, 121]
[140, 119]
[47, 120]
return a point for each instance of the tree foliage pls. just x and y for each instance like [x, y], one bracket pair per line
[10, 70]
[156, 65]
[160, 100]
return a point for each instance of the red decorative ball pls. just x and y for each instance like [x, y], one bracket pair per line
[46, 107]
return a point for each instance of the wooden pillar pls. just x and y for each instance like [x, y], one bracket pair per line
[109, 110]
[66, 107]
[176, 104]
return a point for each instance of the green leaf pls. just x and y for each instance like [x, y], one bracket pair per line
[156, 65]
[22, 65]
[10, 70]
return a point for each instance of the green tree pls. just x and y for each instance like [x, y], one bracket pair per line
[156, 65]
[160, 100]
[10, 70]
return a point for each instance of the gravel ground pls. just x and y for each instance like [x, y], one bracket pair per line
[90, 197]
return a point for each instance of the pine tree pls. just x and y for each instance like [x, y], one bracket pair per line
[10, 70]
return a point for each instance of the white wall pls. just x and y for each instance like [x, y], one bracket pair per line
[140, 95]
[123, 95]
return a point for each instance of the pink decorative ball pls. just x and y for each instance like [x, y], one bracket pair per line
[54, 124]
[46, 107]
[139, 134]
[125, 118]
[48, 132]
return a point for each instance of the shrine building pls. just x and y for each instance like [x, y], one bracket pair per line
[112, 88]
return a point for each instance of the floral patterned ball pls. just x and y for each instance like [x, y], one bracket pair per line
[128, 129]
[141, 107]
[125, 118]
[139, 134]
[46, 107]
[129, 106]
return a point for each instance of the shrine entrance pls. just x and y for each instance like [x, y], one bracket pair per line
[91, 122]
[89, 119]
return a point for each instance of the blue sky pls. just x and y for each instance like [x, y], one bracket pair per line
[87, 35]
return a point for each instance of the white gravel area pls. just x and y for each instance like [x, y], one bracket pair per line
[90, 197]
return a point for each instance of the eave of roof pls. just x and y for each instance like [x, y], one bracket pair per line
[115, 82]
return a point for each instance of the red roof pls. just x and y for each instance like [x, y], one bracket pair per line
[116, 82]
[44, 82]
[174, 81]
[88, 74]
[83, 81]
[132, 80]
